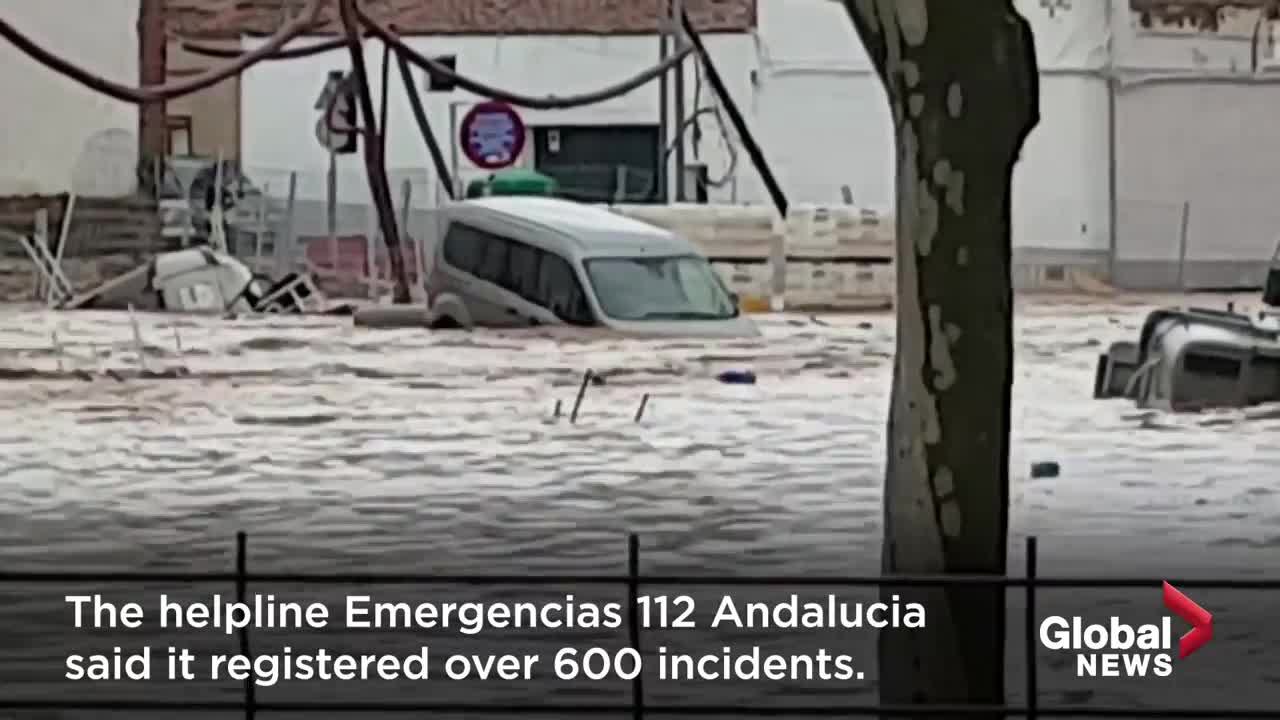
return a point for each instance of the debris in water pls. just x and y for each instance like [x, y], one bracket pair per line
[1047, 469]
[644, 401]
[582, 391]
[57, 351]
[737, 377]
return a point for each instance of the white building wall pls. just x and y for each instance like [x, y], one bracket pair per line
[1195, 186]
[825, 122]
[1061, 191]
[55, 135]
[803, 81]
[279, 116]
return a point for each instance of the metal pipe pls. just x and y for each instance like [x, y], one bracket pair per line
[664, 112]
[331, 208]
[677, 11]
[1113, 207]
[735, 116]
[444, 176]
[1182, 247]
[458, 190]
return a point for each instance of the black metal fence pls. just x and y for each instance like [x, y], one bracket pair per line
[637, 708]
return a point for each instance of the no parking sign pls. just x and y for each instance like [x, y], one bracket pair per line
[492, 135]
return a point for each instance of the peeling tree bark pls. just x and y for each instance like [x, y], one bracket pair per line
[962, 83]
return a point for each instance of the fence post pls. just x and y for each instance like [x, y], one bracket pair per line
[1032, 690]
[371, 255]
[1182, 247]
[633, 594]
[242, 581]
[286, 241]
[40, 235]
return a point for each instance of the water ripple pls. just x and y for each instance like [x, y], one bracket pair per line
[338, 448]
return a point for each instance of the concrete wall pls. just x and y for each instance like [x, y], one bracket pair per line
[55, 135]
[1196, 185]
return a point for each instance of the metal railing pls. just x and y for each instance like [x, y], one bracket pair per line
[637, 708]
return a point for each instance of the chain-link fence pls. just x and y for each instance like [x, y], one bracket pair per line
[333, 232]
[1194, 243]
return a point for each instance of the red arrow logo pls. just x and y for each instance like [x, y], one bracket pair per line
[1201, 621]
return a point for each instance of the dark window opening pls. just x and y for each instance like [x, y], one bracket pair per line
[538, 276]
[1264, 380]
[463, 248]
[178, 135]
[1213, 365]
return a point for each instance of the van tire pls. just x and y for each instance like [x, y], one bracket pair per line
[446, 322]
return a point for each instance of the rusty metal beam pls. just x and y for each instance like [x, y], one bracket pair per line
[152, 71]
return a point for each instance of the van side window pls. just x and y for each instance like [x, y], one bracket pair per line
[464, 247]
[524, 263]
[493, 262]
[560, 292]
[541, 277]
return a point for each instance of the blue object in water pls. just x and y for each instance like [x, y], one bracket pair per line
[737, 377]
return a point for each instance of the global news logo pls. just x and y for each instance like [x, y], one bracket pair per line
[1121, 650]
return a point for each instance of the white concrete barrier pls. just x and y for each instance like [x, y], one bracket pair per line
[820, 257]
[833, 256]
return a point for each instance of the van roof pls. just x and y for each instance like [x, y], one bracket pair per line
[593, 230]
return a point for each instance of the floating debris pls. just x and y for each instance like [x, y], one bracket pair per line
[737, 377]
[1048, 469]
[582, 391]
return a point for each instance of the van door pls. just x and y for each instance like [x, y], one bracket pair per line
[560, 291]
[485, 273]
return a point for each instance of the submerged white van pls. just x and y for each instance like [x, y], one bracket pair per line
[527, 261]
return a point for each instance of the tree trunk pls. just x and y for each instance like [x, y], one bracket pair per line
[962, 83]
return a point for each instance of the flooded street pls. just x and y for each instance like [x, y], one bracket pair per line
[344, 449]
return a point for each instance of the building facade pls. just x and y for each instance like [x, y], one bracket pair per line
[58, 136]
[1150, 161]
[1196, 93]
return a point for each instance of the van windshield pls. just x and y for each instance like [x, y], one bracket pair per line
[683, 287]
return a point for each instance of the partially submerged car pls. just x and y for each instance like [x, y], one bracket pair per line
[508, 262]
[1193, 359]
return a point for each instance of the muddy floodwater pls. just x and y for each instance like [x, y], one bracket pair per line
[340, 449]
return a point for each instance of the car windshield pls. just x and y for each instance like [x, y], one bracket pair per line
[660, 288]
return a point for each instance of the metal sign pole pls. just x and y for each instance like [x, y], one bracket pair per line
[454, 160]
[664, 95]
[331, 208]
[677, 32]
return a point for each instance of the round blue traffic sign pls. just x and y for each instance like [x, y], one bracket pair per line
[492, 135]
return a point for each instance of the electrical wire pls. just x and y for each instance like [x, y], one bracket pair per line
[548, 102]
[424, 126]
[730, 149]
[161, 93]
[352, 19]
[317, 48]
